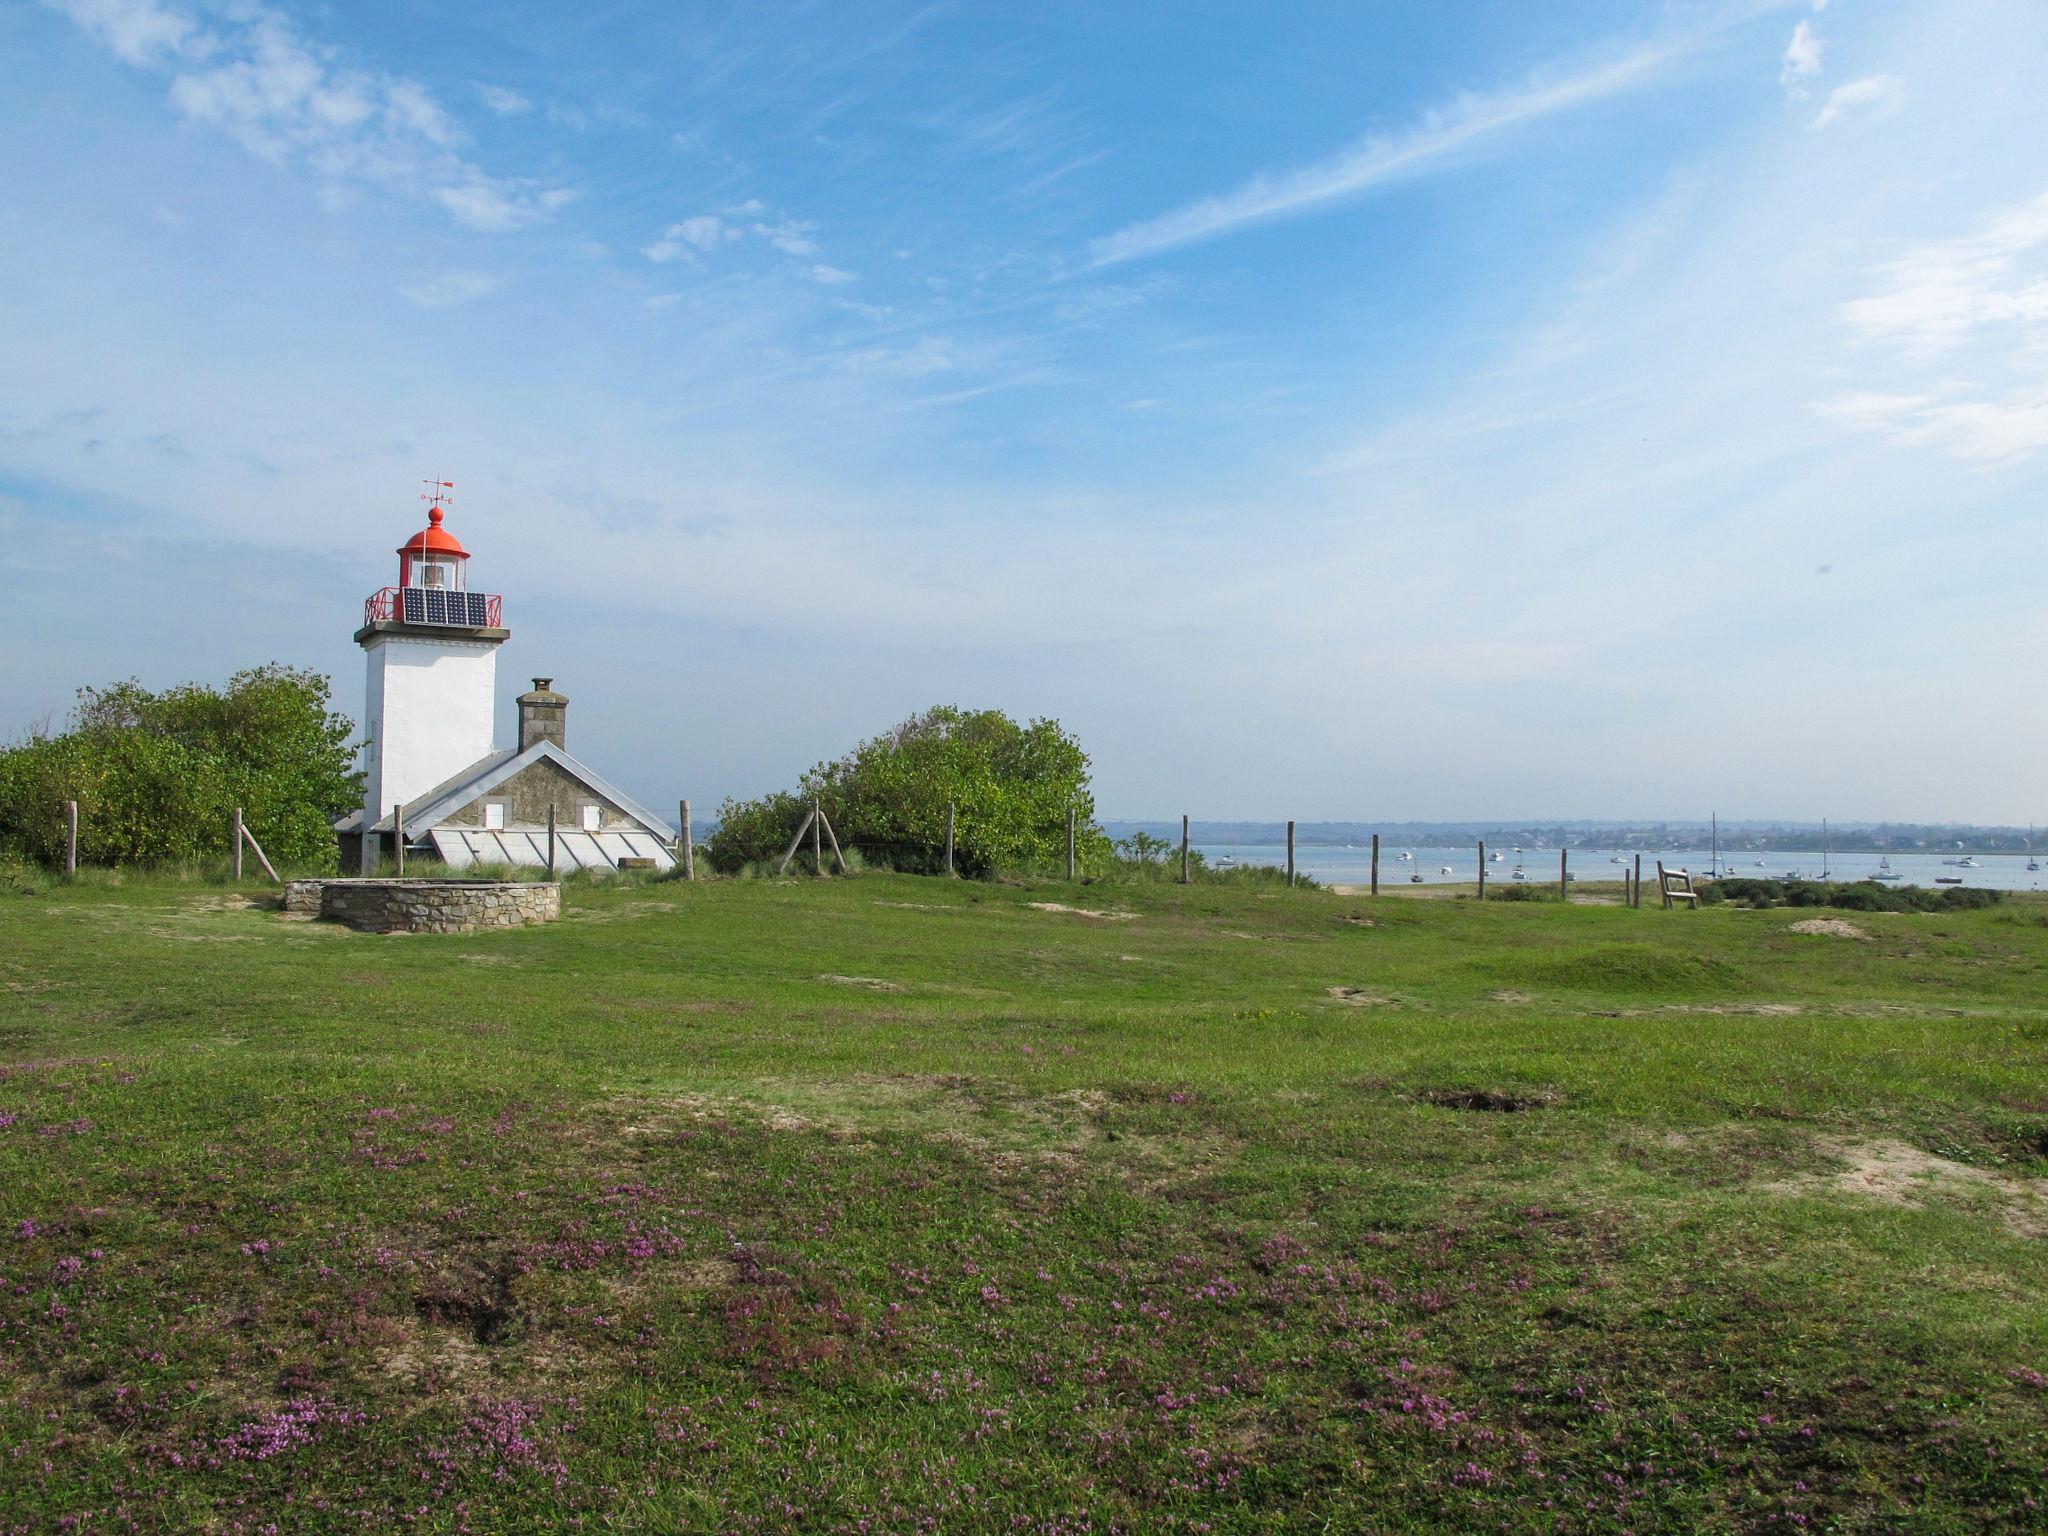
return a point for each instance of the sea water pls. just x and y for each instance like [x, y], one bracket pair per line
[1334, 865]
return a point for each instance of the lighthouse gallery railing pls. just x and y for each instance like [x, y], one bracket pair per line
[436, 605]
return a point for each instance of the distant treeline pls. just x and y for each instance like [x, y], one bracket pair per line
[1645, 837]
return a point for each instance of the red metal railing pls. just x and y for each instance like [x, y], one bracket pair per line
[384, 605]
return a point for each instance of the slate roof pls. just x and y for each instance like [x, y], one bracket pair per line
[425, 812]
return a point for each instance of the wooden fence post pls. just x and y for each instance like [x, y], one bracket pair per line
[1638, 882]
[1183, 848]
[818, 838]
[1563, 874]
[1375, 863]
[1290, 853]
[261, 857]
[398, 836]
[949, 837]
[238, 845]
[1070, 845]
[689, 846]
[551, 839]
[844, 869]
[1482, 869]
[70, 838]
[795, 843]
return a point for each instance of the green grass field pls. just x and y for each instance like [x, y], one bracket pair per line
[896, 1205]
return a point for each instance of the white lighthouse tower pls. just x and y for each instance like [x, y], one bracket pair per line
[432, 647]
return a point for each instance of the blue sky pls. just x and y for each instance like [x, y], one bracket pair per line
[1326, 410]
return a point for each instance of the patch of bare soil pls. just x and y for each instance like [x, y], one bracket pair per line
[233, 902]
[1508, 995]
[1491, 1100]
[1745, 1010]
[871, 983]
[1360, 997]
[1355, 921]
[1103, 917]
[1895, 1173]
[1834, 927]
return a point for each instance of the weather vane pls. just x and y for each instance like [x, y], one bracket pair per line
[437, 492]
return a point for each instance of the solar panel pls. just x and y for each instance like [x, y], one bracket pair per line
[439, 605]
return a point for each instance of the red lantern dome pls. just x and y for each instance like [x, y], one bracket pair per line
[433, 582]
[434, 539]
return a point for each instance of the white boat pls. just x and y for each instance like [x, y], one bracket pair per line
[1884, 870]
[1496, 858]
[1617, 859]
[1443, 869]
[1404, 857]
[1518, 875]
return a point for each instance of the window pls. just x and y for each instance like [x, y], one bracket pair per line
[494, 815]
[593, 817]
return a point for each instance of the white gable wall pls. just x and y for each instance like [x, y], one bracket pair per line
[431, 704]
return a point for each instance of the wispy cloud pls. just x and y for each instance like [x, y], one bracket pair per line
[1879, 94]
[503, 100]
[1802, 59]
[1381, 158]
[288, 99]
[1965, 323]
[689, 238]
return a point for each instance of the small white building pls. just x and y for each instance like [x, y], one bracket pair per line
[430, 760]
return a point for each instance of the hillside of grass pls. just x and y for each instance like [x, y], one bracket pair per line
[899, 1204]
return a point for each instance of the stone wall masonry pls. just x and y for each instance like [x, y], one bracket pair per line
[425, 906]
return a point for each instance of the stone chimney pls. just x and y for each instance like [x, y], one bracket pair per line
[543, 715]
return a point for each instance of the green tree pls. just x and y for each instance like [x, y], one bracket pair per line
[157, 775]
[1011, 786]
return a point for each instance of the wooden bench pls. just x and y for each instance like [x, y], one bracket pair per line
[1676, 885]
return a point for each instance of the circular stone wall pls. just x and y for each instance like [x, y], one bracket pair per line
[425, 906]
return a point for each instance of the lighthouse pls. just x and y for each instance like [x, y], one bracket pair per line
[435, 784]
[431, 644]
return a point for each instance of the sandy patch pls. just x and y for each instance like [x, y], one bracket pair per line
[1895, 1173]
[1102, 917]
[1744, 1010]
[1834, 927]
[871, 983]
[1508, 995]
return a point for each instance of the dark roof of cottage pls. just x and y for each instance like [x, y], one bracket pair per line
[425, 812]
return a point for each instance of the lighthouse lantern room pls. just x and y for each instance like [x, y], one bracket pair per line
[431, 645]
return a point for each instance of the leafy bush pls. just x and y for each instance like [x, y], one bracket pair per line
[1544, 892]
[1011, 786]
[1852, 896]
[157, 776]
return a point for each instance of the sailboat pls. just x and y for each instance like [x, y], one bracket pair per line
[1884, 869]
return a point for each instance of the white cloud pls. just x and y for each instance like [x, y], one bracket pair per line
[1879, 94]
[248, 72]
[1802, 59]
[1974, 311]
[140, 32]
[792, 237]
[451, 289]
[705, 232]
[1377, 159]
[830, 275]
[503, 101]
